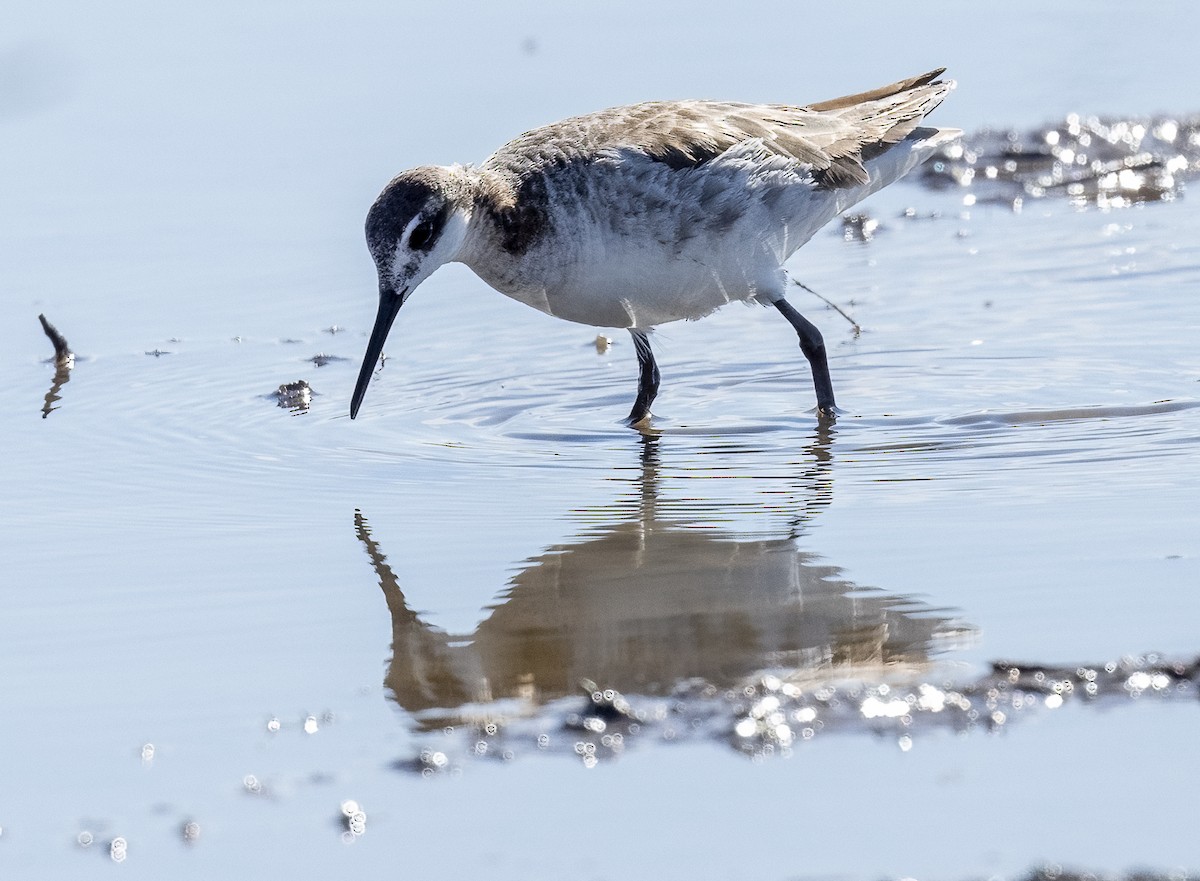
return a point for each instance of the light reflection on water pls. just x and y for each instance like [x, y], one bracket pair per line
[1113, 163]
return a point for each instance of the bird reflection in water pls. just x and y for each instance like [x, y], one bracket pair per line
[643, 601]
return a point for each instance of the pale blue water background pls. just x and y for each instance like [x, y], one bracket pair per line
[179, 560]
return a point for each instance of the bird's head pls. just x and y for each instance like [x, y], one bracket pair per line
[418, 223]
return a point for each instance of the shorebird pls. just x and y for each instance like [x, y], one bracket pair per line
[635, 216]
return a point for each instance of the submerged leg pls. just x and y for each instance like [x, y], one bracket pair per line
[813, 348]
[647, 377]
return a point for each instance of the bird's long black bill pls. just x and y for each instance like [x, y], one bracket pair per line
[389, 305]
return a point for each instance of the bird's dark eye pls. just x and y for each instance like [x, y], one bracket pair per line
[422, 237]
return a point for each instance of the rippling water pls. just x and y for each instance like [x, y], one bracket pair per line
[232, 620]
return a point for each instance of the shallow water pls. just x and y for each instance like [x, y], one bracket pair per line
[225, 612]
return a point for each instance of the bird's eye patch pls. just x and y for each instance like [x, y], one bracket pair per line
[423, 235]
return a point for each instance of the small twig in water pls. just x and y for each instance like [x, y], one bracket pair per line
[63, 356]
[853, 324]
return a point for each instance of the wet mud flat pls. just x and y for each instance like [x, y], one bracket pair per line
[773, 716]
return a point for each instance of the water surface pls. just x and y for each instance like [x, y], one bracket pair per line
[220, 611]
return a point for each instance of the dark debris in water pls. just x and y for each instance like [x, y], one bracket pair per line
[64, 362]
[774, 715]
[321, 359]
[63, 356]
[295, 396]
[1110, 162]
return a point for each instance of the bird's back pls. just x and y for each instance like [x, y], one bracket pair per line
[834, 138]
[638, 215]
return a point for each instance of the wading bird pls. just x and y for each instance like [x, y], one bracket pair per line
[635, 216]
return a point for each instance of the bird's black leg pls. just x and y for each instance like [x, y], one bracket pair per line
[647, 377]
[813, 348]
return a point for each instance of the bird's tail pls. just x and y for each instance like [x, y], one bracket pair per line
[913, 82]
[891, 113]
[891, 118]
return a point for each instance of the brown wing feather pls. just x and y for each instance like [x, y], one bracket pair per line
[832, 137]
